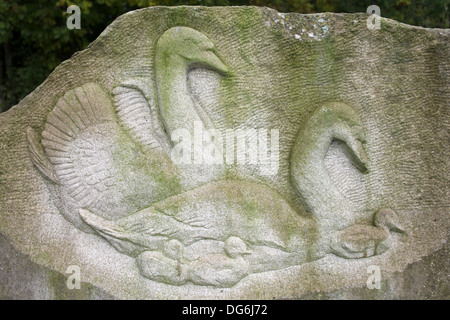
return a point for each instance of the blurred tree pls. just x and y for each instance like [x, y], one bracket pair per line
[34, 38]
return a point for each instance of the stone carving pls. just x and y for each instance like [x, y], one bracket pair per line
[320, 196]
[362, 241]
[208, 235]
[88, 150]
[86, 156]
[212, 235]
[96, 151]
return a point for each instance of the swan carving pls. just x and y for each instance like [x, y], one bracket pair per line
[113, 157]
[335, 215]
[108, 167]
[222, 231]
[362, 241]
[187, 238]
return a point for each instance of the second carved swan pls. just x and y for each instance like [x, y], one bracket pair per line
[335, 214]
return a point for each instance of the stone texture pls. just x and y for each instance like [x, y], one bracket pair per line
[363, 173]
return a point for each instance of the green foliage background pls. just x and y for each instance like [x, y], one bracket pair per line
[34, 38]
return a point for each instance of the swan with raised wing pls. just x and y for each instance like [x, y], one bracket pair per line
[113, 157]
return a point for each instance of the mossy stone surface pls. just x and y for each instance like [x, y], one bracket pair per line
[282, 68]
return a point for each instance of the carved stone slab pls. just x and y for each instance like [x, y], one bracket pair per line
[120, 166]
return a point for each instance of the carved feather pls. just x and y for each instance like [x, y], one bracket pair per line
[73, 114]
[38, 156]
[77, 141]
[138, 116]
[115, 237]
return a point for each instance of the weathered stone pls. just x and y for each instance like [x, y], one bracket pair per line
[93, 174]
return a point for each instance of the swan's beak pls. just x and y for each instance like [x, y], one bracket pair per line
[213, 62]
[362, 159]
[395, 226]
[358, 155]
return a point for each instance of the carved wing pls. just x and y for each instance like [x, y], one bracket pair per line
[94, 162]
[77, 138]
[38, 156]
[149, 229]
[138, 115]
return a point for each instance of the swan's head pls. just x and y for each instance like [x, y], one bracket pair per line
[235, 247]
[345, 125]
[189, 47]
[388, 218]
[330, 122]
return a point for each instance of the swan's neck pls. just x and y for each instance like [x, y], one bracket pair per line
[178, 111]
[319, 194]
[176, 105]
